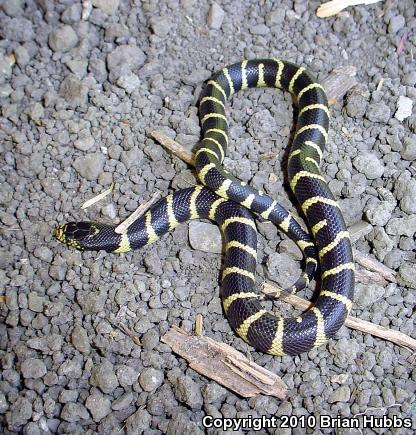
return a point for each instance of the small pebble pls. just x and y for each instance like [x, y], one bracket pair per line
[80, 340]
[341, 394]
[103, 376]
[63, 39]
[150, 379]
[404, 108]
[215, 16]
[205, 237]
[109, 7]
[98, 405]
[89, 166]
[33, 368]
[396, 23]
[368, 164]
[139, 422]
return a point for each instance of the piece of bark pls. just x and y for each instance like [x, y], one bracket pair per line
[225, 365]
[339, 82]
[395, 337]
[333, 7]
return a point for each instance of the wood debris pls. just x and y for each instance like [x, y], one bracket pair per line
[126, 330]
[339, 82]
[137, 213]
[268, 155]
[225, 365]
[98, 197]
[367, 277]
[374, 265]
[199, 324]
[335, 6]
[176, 148]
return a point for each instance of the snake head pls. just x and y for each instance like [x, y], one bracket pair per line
[76, 234]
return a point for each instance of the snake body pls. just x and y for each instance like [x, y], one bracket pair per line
[227, 201]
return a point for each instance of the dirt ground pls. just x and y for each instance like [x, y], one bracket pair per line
[82, 84]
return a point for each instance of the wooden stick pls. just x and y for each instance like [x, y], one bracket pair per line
[225, 365]
[137, 213]
[176, 148]
[372, 264]
[352, 322]
[368, 277]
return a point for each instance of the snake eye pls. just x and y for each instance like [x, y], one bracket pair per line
[79, 230]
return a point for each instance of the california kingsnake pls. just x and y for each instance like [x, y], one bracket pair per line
[220, 201]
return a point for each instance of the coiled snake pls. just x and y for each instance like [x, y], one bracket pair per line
[227, 201]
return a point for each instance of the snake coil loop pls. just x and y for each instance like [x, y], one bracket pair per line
[229, 202]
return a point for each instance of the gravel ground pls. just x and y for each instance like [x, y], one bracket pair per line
[80, 91]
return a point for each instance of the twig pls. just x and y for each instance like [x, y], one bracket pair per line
[367, 277]
[380, 84]
[129, 332]
[372, 264]
[335, 6]
[225, 365]
[268, 155]
[352, 322]
[176, 148]
[137, 213]
[98, 197]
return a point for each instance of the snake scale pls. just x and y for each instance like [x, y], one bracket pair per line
[230, 203]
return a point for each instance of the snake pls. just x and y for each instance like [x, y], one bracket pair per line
[232, 204]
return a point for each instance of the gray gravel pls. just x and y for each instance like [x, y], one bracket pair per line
[82, 84]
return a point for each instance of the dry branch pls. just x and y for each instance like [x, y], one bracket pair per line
[352, 322]
[124, 328]
[225, 365]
